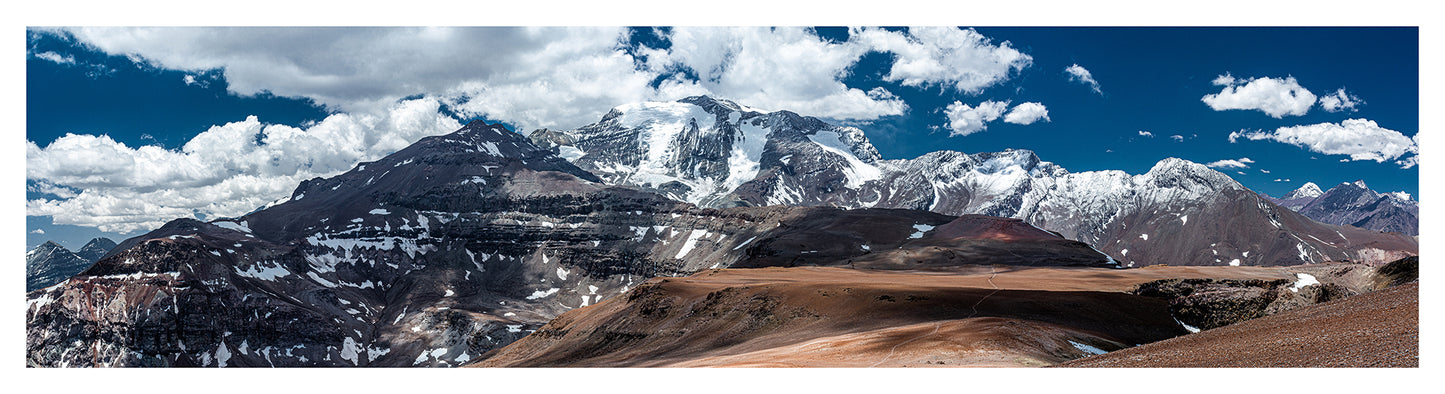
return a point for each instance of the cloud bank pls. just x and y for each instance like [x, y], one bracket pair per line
[227, 170]
[1360, 139]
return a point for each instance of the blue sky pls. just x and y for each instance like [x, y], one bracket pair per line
[215, 122]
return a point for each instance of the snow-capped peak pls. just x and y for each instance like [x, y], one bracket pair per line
[1402, 196]
[1360, 183]
[1309, 190]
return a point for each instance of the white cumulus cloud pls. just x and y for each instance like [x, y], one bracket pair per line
[1082, 75]
[781, 68]
[1361, 139]
[1027, 113]
[965, 120]
[535, 77]
[56, 57]
[1146, 134]
[38, 231]
[1340, 101]
[227, 170]
[1242, 162]
[564, 77]
[1274, 96]
[961, 59]
[1177, 138]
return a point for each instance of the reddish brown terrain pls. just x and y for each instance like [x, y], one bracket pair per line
[1378, 329]
[836, 317]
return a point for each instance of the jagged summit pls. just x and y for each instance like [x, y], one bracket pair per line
[48, 246]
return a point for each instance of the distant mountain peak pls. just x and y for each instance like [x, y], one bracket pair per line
[1361, 184]
[1309, 190]
[96, 248]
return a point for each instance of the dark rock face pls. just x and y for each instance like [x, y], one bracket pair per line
[1397, 273]
[1354, 204]
[435, 255]
[1213, 303]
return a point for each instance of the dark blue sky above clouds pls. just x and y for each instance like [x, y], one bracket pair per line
[121, 90]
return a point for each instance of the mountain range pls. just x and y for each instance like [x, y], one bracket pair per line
[460, 244]
[717, 153]
[1354, 204]
[50, 263]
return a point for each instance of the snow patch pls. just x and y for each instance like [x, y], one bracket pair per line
[691, 242]
[1191, 329]
[570, 153]
[541, 294]
[745, 243]
[922, 228]
[318, 279]
[379, 211]
[222, 355]
[264, 272]
[1087, 349]
[236, 226]
[1304, 280]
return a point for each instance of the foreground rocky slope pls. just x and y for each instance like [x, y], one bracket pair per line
[835, 317]
[1379, 329]
[717, 153]
[443, 251]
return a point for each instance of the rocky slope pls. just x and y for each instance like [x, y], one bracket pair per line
[717, 153]
[447, 249]
[51, 263]
[1354, 204]
[1380, 329]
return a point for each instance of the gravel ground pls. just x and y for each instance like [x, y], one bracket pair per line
[1378, 329]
